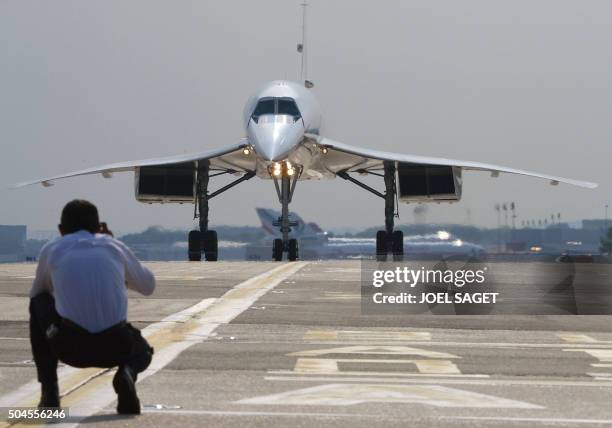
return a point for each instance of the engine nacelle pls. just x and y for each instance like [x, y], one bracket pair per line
[423, 183]
[165, 183]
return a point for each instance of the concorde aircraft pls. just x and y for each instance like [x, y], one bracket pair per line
[284, 143]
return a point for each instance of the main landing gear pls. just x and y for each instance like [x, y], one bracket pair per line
[388, 241]
[204, 240]
[288, 179]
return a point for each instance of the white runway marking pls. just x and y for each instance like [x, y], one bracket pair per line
[340, 394]
[451, 344]
[539, 420]
[170, 337]
[330, 366]
[179, 277]
[601, 376]
[419, 378]
[603, 355]
[577, 338]
[363, 415]
[373, 350]
[366, 336]
[381, 375]
[338, 295]
[245, 413]
[605, 358]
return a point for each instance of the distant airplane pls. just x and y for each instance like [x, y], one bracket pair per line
[270, 220]
[316, 244]
[283, 142]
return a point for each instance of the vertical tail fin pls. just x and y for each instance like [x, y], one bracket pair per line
[269, 223]
[267, 218]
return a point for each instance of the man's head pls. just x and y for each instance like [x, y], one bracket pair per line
[78, 215]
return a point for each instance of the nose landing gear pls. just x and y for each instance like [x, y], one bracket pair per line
[292, 250]
[285, 194]
[277, 250]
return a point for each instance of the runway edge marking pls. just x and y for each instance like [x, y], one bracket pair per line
[170, 337]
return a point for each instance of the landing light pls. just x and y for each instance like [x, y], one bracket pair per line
[284, 168]
[246, 151]
[324, 150]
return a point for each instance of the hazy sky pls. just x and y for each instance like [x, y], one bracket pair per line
[526, 84]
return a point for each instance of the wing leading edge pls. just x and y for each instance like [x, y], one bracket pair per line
[358, 158]
[221, 156]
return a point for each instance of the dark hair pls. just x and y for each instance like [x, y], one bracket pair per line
[80, 214]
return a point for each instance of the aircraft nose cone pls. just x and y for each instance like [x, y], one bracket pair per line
[273, 141]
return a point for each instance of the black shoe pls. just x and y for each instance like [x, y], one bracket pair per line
[127, 400]
[49, 395]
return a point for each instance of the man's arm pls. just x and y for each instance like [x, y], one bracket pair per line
[42, 280]
[137, 277]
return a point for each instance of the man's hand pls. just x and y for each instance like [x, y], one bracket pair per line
[104, 229]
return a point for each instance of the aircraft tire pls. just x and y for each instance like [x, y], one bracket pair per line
[195, 246]
[397, 245]
[293, 252]
[382, 247]
[277, 250]
[210, 245]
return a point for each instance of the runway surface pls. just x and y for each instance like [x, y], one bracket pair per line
[285, 344]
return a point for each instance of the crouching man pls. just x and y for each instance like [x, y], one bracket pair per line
[78, 306]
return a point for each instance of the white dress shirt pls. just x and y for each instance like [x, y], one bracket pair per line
[88, 275]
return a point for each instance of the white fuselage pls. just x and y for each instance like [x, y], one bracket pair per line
[274, 127]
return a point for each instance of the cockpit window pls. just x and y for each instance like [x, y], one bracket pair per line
[287, 106]
[277, 107]
[264, 106]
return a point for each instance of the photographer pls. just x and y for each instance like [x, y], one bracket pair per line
[78, 306]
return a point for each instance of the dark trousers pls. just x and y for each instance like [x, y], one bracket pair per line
[56, 339]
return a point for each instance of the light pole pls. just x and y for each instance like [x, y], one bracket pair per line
[497, 208]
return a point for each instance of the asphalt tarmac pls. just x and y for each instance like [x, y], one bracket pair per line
[286, 344]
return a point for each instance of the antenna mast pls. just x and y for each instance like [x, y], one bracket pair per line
[301, 48]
